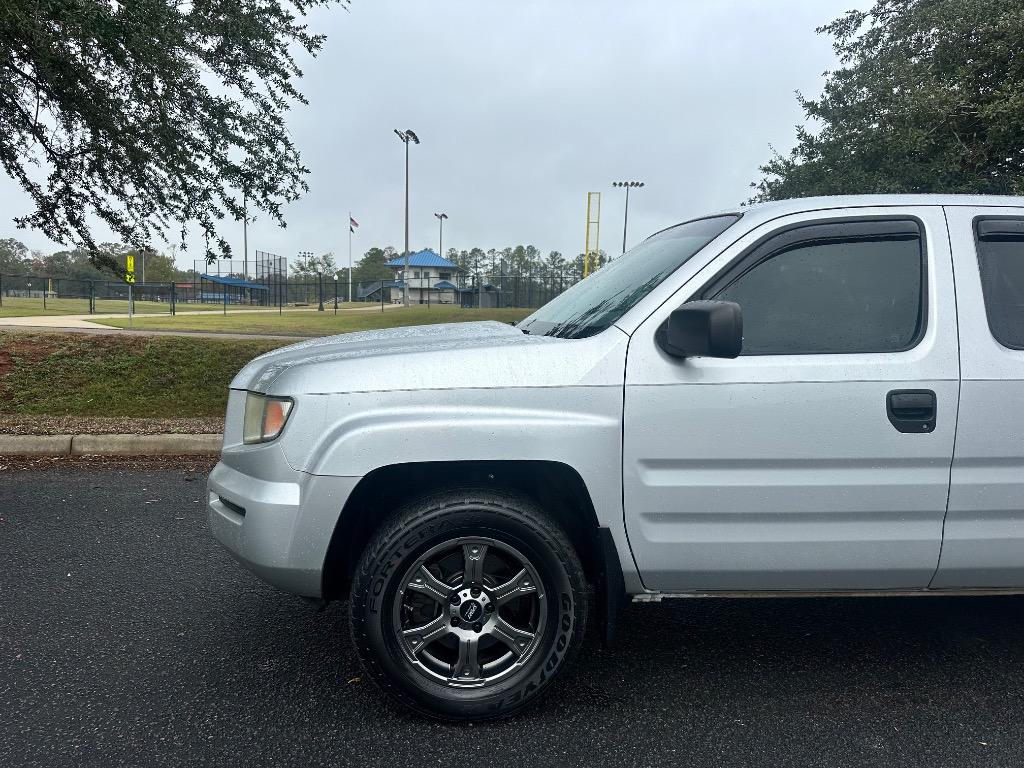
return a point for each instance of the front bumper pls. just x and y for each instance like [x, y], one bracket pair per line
[278, 530]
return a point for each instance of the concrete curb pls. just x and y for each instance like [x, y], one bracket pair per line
[109, 445]
[35, 445]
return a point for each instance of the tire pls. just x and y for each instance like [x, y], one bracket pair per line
[520, 615]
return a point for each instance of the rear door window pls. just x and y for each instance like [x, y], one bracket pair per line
[1001, 262]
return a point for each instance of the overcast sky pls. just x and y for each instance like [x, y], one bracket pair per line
[524, 107]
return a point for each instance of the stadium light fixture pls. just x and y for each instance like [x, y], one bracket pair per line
[627, 185]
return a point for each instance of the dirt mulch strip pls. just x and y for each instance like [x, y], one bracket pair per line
[190, 465]
[107, 425]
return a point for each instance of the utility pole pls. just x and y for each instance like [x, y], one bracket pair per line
[405, 137]
[627, 185]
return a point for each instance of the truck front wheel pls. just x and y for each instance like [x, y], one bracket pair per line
[467, 604]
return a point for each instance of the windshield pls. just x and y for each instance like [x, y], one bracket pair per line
[593, 304]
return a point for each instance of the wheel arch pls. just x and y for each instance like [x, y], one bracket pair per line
[556, 487]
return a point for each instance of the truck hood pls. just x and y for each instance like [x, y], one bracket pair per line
[444, 356]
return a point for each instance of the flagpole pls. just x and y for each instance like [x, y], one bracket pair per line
[350, 257]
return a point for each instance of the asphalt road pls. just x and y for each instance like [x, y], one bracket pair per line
[127, 637]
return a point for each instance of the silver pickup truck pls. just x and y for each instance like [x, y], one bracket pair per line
[811, 397]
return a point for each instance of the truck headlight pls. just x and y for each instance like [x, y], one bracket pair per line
[264, 417]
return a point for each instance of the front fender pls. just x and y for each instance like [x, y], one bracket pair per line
[580, 426]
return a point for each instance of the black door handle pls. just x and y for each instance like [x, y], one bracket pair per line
[911, 410]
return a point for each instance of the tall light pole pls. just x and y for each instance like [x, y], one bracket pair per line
[440, 238]
[406, 136]
[440, 248]
[627, 185]
[306, 255]
[352, 224]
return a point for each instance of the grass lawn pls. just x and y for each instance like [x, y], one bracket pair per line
[318, 323]
[168, 377]
[16, 306]
[147, 376]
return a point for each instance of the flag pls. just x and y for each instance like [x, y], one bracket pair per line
[352, 224]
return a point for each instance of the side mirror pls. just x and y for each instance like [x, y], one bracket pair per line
[703, 329]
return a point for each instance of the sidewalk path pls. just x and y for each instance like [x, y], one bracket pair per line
[86, 324]
[84, 321]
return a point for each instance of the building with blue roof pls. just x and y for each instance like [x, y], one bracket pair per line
[432, 279]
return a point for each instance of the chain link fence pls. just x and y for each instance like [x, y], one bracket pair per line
[473, 291]
[42, 294]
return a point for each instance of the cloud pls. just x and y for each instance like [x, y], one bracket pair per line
[522, 108]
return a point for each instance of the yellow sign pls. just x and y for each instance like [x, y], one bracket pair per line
[129, 270]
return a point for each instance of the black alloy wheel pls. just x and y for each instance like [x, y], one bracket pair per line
[467, 604]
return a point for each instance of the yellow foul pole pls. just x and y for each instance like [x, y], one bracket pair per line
[593, 233]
